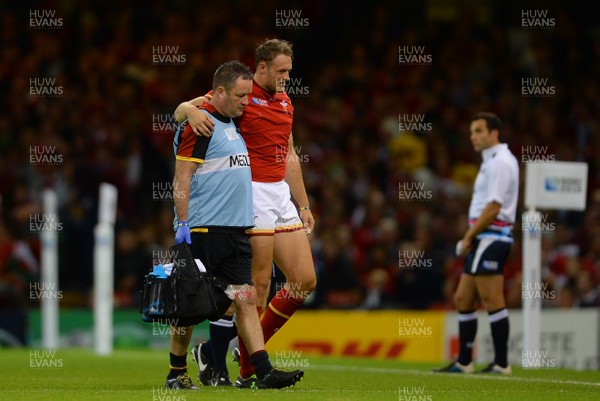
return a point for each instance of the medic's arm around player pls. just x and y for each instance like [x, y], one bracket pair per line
[200, 122]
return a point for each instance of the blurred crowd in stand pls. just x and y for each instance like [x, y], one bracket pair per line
[390, 204]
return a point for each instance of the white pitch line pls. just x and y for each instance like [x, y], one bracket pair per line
[466, 376]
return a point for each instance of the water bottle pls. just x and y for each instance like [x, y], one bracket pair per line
[158, 283]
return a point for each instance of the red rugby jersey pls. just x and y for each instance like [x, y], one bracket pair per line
[266, 126]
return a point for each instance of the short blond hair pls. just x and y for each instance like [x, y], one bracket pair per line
[271, 48]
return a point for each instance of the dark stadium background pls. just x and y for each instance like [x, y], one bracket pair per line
[351, 92]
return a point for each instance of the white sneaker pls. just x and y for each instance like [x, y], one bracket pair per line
[497, 369]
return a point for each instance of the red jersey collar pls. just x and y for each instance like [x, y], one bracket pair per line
[265, 93]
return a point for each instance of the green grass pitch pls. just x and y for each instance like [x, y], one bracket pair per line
[78, 374]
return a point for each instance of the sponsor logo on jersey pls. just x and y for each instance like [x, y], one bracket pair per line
[261, 102]
[239, 160]
[231, 133]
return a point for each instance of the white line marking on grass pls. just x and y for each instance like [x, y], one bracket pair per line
[466, 376]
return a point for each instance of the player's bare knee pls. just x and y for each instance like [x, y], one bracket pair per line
[492, 304]
[309, 284]
[261, 284]
[462, 302]
[301, 288]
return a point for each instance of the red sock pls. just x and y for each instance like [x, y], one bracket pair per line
[245, 372]
[277, 313]
[246, 368]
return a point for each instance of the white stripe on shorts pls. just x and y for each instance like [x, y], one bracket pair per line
[484, 243]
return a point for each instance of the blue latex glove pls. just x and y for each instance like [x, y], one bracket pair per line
[183, 233]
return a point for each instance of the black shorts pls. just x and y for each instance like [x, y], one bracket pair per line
[487, 256]
[226, 253]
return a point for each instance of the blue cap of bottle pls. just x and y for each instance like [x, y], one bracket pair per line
[159, 272]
